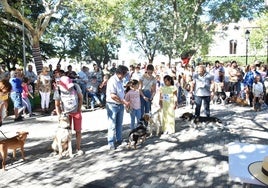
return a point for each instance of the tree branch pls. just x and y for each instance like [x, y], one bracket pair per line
[18, 26]
[15, 13]
[43, 19]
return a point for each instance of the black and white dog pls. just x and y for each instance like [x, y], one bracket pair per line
[200, 119]
[137, 134]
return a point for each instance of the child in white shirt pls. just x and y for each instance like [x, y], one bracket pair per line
[257, 90]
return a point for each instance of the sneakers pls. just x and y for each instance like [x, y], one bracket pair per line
[80, 152]
[20, 118]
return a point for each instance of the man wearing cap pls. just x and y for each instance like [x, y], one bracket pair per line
[67, 89]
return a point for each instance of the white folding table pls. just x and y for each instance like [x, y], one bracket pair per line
[240, 156]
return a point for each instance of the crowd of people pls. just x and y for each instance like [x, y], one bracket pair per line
[179, 84]
[134, 89]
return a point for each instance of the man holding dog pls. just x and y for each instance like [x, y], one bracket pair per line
[115, 102]
[68, 100]
[202, 90]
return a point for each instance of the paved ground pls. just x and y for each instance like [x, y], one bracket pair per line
[189, 158]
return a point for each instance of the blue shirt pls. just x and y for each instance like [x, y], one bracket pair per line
[216, 71]
[16, 85]
[249, 78]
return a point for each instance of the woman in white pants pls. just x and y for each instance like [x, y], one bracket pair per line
[44, 88]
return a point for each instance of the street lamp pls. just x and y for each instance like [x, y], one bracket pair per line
[247, 39]
[23, 40]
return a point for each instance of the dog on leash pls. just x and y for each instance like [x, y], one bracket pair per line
[200, 119]
[206, 120]
[153, 122]
[13, 143]
[63, 138]
[137, 134]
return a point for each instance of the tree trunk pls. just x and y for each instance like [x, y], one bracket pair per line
[37, 55]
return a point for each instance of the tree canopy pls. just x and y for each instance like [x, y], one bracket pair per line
[90, 30]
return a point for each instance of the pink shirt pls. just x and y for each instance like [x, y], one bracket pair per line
[25, 91]
[133, 97]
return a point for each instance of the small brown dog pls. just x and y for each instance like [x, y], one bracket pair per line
[13, 143]
[63, 139]
[238, 101]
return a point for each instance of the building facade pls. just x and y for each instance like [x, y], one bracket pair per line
[230, 41]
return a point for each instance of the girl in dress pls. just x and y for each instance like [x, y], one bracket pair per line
[167, 102]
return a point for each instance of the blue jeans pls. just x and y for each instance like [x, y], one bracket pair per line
[145, 105]
[27, 104]
[103, 98]
[179, 95]
[198, 103]
[94, 98]
[115, 114]
[234, 88]
[16, 99]
[134, 114]
[83, 88]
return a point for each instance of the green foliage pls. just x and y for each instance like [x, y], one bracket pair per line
[233, 10]
[94, 32]
[259, 35]
[11, 46]
[91, 29]
[168, 27]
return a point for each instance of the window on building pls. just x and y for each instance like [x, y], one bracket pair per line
[232, 46]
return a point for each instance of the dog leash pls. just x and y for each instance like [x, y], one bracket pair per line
[3, 133]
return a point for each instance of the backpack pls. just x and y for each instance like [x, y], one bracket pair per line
[69, 100]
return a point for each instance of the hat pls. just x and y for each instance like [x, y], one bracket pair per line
[66, 82]
[259, 170]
